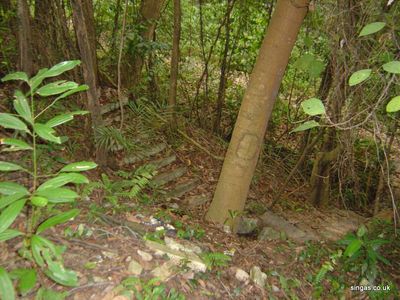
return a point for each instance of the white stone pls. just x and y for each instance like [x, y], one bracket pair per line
[135, 268]
[144, 255]
[258, 277]
[242, 275]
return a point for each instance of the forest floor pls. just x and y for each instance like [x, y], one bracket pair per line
[118, 250]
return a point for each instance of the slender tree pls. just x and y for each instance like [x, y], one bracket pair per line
[244, 148]
[175, 59]
[85, 35]
[24, 38]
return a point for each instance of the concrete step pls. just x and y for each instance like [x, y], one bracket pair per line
[164, 178]
[145, 154]
[182, 188]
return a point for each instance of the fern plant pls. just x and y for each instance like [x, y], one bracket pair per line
[15, 197]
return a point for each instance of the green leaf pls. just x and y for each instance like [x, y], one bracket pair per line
[48, 294]
[10, 213]
[313, 107]
[46, 133]
[359, 76]
[35, 81]
[305, 126]
[393, 105]
[55, 88]
[57, 219]
[392, 67]
[39, 201]
[63, 179]
[7, 200]
[61, 119]
[9, 234]
[15, 144]
[353, 247]
[26, 279]
[6, 167]
[361, 231]
[9, 121]
[310, 64]
[62, 67]
[372, 28]
[59, 274]
[39, 245]
[58, 195]
[11, 188]
[21, 106]
[16, 76]
[78, 89]
[79, 166]
[6, 286]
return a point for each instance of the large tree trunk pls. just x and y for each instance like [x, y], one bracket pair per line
[87, 47]
[175, 60]
[244, 148]
[24, 38]
[150, 11]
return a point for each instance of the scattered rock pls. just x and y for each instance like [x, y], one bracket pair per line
[135, 268]
[196, 200]
[257, 276]
[144, 255]
[242, 275]
[184, 246]
[247, 225]
[275, 289]
[165, 271]
[268, 234]
[98, 279]
[110, 255]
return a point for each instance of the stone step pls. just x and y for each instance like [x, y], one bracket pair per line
[164, 178]
[109, 107]
[182, 188]
[163, 162]
[145, 154]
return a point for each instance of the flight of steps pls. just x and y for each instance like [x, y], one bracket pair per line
[173, 175]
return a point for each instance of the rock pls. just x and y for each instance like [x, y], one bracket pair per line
[257, 276]
[247, 225]
[110, 255]
[242, 275]
[268, 234]
[184, 246]
[135, 268]
[193, 260]
[197, 200]
[144, 255]
[275, 289]
[165, 271]
[98, 279]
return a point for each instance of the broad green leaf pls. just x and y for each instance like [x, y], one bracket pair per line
[16, 76]
[359, 76]
[372, 28]
[78, 89]
[62, 67]
[313, 107]
[7, 200]
[361, 231]
[6, 286]
[352, 248]
[392, 67]
[39, 245]
[35, 81]
[310, 64]
[10, 213]
[306, 125]
[58, 195]
[79, 166]
[60, 274]
[11, 188]
[61, 119]
[21, 106]
[55, 88]
[57, 219]
[39, 201]
[9, 121]
[15, 144]
[9, 234]
[393, 105]
[6, 166]
[47, 294]
[26, 279]
[62, 180]
[46, 133]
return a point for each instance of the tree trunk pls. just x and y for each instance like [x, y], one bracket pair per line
[175, 60]
[244, 148]
[24, 38]
[89, 64]
[222, 78]
[150, 11]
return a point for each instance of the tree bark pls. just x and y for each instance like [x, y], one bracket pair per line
[175, 61]
[89, 64]
[244, 148]
[24, 38]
